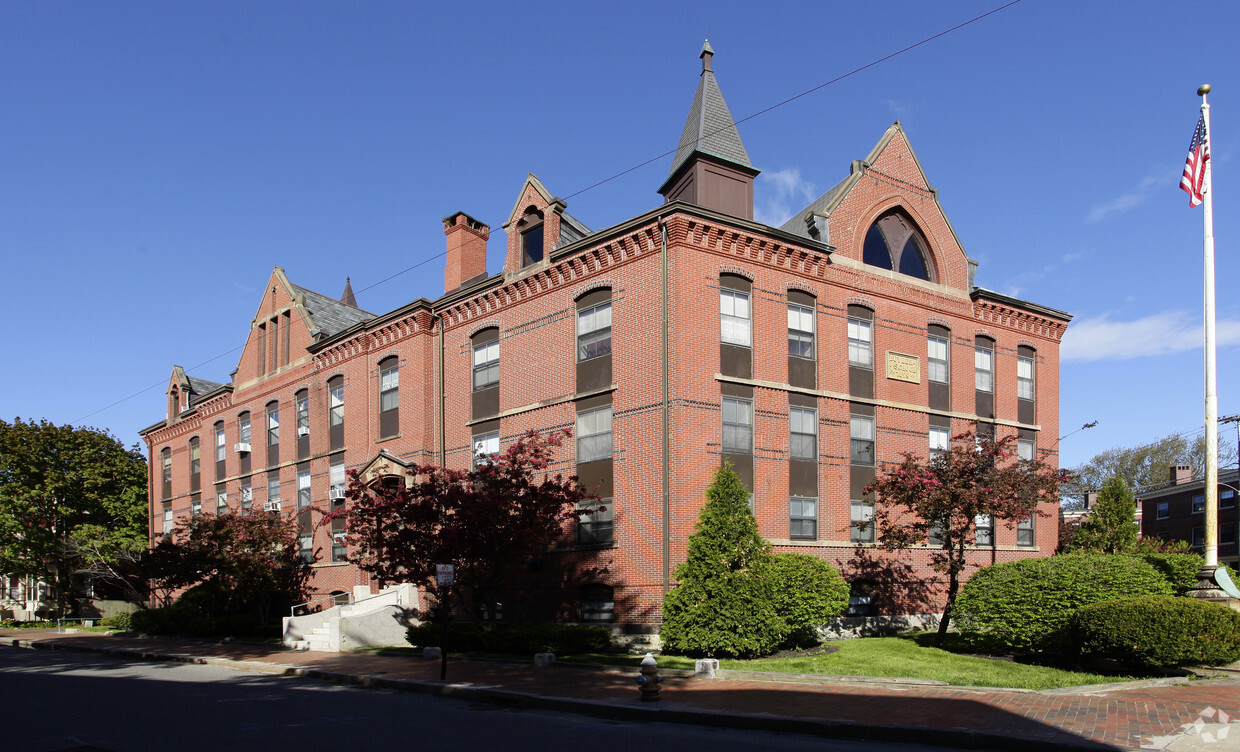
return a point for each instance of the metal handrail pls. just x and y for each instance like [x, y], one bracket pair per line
[292, 612]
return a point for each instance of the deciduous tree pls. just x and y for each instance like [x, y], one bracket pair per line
[1143, 467]
[60, 485]
[938, 502]
[487, 521]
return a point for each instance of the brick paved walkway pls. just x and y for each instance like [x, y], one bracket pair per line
[1108, 717]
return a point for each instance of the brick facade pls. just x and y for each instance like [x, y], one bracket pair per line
[671, 258]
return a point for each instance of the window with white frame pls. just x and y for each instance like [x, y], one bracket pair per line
[803, 426]
[861, 522]
[219, 442]
[1025, 449]
[303, 489]
[800, 331]
[273, 495]
[335, 403]
[737, 425]
[1024, 378]
[221, 502]
[984, 530]
[336, 477]
[303, 413]
[167, 528]
[1024, 532]
[860, 343]
[1162, 510]
[939, 441]
[244, 430]
[595, 523]
[861, 435]
[936, 359]
[273, 424]
[1226, 497]
[247, 495]
[594, 331]
[486, 447]
[486, 364]
[389, 385]
[984, 368]
[735, 319]
[195, 505]
[598, 603]
[803, 518]
[594, 434]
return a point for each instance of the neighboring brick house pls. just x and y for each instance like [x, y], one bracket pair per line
[808, 355]
[1177, 512]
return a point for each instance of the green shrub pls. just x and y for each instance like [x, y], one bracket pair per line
[122, 621]
[1158, 631]
[1179, 569]
[178, 620]
[807, 593]
[1026, 604]
[563, 639]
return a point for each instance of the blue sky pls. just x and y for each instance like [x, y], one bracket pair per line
[159, 158]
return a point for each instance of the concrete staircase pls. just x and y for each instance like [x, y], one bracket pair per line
[377, 620]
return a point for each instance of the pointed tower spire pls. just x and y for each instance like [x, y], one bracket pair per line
[346, 297]
[710, 135]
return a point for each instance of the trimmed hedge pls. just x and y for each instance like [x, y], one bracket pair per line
[808, 592]
[1179, 569]
[122, 621]
[1026, 604]
[564, 639]
[183, 621]
[1158, 631]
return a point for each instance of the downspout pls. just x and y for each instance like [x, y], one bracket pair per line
[667, 483]
[440, 394]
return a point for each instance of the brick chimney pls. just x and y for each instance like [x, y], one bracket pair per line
[1181, 474]
[467, 250]
[1091, 498]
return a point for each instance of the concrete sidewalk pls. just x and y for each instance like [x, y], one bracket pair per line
[1164, 714]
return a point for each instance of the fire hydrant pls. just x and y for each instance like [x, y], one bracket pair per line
[649, 681]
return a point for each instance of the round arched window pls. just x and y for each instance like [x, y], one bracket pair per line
[893, 243]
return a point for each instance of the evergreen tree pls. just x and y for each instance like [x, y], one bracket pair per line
[1111, 527]
[724, 602]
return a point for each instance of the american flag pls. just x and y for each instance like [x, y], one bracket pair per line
[1195, 166]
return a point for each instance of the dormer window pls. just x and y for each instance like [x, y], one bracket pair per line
[532, 250]
[893, 243]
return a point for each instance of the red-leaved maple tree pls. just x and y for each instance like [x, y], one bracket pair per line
[939, 502]
[487, 522]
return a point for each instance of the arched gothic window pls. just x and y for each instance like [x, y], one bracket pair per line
[894, 243]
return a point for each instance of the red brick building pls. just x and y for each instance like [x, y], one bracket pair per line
[808, 355]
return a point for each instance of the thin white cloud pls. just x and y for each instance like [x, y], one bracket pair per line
[778, 194]
[1157, 334]
[1018, 284]
[901, 111]
[1132, 198]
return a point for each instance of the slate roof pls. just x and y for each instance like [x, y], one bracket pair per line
[571, 230]
[331, 316]
[199, 387]
[824, 203]
[710, 129]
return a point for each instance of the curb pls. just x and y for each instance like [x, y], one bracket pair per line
[959, 738]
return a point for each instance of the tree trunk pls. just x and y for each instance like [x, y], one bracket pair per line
[953, 587]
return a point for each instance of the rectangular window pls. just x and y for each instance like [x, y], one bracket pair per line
[486, 447]
[984, 367]
[247, 495]
[273, 426]
[195, 461]
[803, 518]
[984, 530]
[340, 550]
[861, 433]
[167, 528]
[594, 331]
[803, 424]
[219, 444]
[594, 435]
[167, 477]
[939, 441]
[1024, 532]
[936, 359]
[1024, 378]
[737, 426]
[335, 404]
[1199, 537]
[303, 489]
[1199, 503]
[860, 343]
[273, 495]
[800, 331]
[486, 365]
[934, 534]
[861, 522]
[1162, 510]
[1025, 449]
[389, 384]
[303, 414]
[1227, 535]
[244, 423]
[195, 505]
[594, 526]
[734, 318]
[336, 478]
[221, 502]
[1226, 498]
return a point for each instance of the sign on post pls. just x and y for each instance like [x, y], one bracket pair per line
[445, 574]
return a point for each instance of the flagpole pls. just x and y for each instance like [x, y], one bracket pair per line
[1211, 480]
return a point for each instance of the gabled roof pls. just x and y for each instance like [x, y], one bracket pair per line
[329, 316]
[710, 129]
[198, 387]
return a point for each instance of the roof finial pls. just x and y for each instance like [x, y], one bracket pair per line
[346, 297]
[707, 52]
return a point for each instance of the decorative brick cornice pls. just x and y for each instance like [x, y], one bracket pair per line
[997, 314]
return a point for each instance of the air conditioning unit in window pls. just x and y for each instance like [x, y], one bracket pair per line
[241, 446]
[303, 431]
[271, 506]
[335, 494]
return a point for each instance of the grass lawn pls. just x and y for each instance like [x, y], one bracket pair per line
[905, 657]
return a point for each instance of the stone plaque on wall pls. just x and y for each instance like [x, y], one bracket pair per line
[903, 367]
